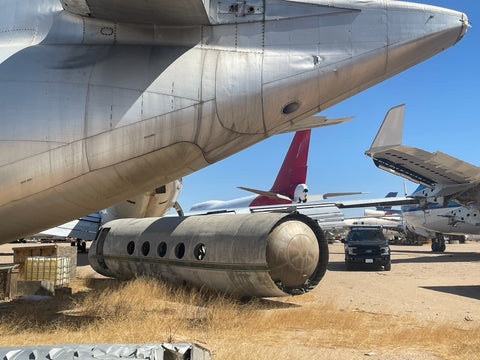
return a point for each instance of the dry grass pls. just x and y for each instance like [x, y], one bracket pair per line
[148, 311]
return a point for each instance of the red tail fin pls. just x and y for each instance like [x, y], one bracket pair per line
[292, 172]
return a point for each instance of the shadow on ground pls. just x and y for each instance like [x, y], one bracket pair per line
[472, 291]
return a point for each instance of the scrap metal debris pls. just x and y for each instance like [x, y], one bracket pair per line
[164, 351]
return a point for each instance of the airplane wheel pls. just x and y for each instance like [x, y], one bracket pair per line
[441, 246]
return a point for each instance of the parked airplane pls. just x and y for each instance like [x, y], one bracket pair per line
[250, 250]
[383, 210]
[448, 191]
[289, 186]
[382, 216]
[154, 203]
[102, 101]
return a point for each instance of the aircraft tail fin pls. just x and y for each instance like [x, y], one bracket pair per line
[391, 194]
[388, 209]
[293, 170]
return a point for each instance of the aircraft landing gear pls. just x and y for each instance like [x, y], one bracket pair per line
[438, 244]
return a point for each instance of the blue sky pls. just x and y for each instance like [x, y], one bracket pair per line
[442, 96]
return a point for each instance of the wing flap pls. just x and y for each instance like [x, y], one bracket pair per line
[165, 12]
[424, 167]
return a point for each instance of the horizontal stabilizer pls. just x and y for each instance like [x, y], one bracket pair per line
[269, 194]
[316, 121]
[332, 194]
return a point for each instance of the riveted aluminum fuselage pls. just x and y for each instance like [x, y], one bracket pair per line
[93, 111]
[269, 254]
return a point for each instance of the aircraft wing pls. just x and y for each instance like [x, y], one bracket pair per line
[446, 175]
[164, 12]
[393, 201]
[424, 167]
[316, 197]
[396, 201]
[84, 228]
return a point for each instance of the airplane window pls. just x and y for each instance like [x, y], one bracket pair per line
[145, 248]
[199, 251]
[180, 250]
[162, 249]
[131, 247]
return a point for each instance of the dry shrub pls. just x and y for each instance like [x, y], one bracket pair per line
[150, 311]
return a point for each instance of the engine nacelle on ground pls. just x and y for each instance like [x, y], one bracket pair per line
[268, 254]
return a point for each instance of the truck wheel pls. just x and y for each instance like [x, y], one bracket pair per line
[388, 267]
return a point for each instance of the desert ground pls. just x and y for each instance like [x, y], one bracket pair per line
[426, 307]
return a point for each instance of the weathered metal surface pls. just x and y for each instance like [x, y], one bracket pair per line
[179, 351]
[154, 203]
[94, 111]
[245, 254]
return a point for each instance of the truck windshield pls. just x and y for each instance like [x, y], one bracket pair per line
[371, 235]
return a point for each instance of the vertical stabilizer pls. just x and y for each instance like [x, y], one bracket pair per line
[293, 171]
[388, 209]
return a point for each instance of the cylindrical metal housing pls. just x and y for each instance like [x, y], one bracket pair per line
[268, 254]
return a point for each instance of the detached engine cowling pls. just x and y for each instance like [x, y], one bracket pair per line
[268, 254]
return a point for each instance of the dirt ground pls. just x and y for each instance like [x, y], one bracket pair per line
[430, 287]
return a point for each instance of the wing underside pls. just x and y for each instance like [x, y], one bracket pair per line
[417, 165]
[424, 167]
[165, 12]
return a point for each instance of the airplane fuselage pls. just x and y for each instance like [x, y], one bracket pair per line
[94, 111]
[434, 220]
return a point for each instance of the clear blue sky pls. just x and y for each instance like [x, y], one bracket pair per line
[442, 97]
